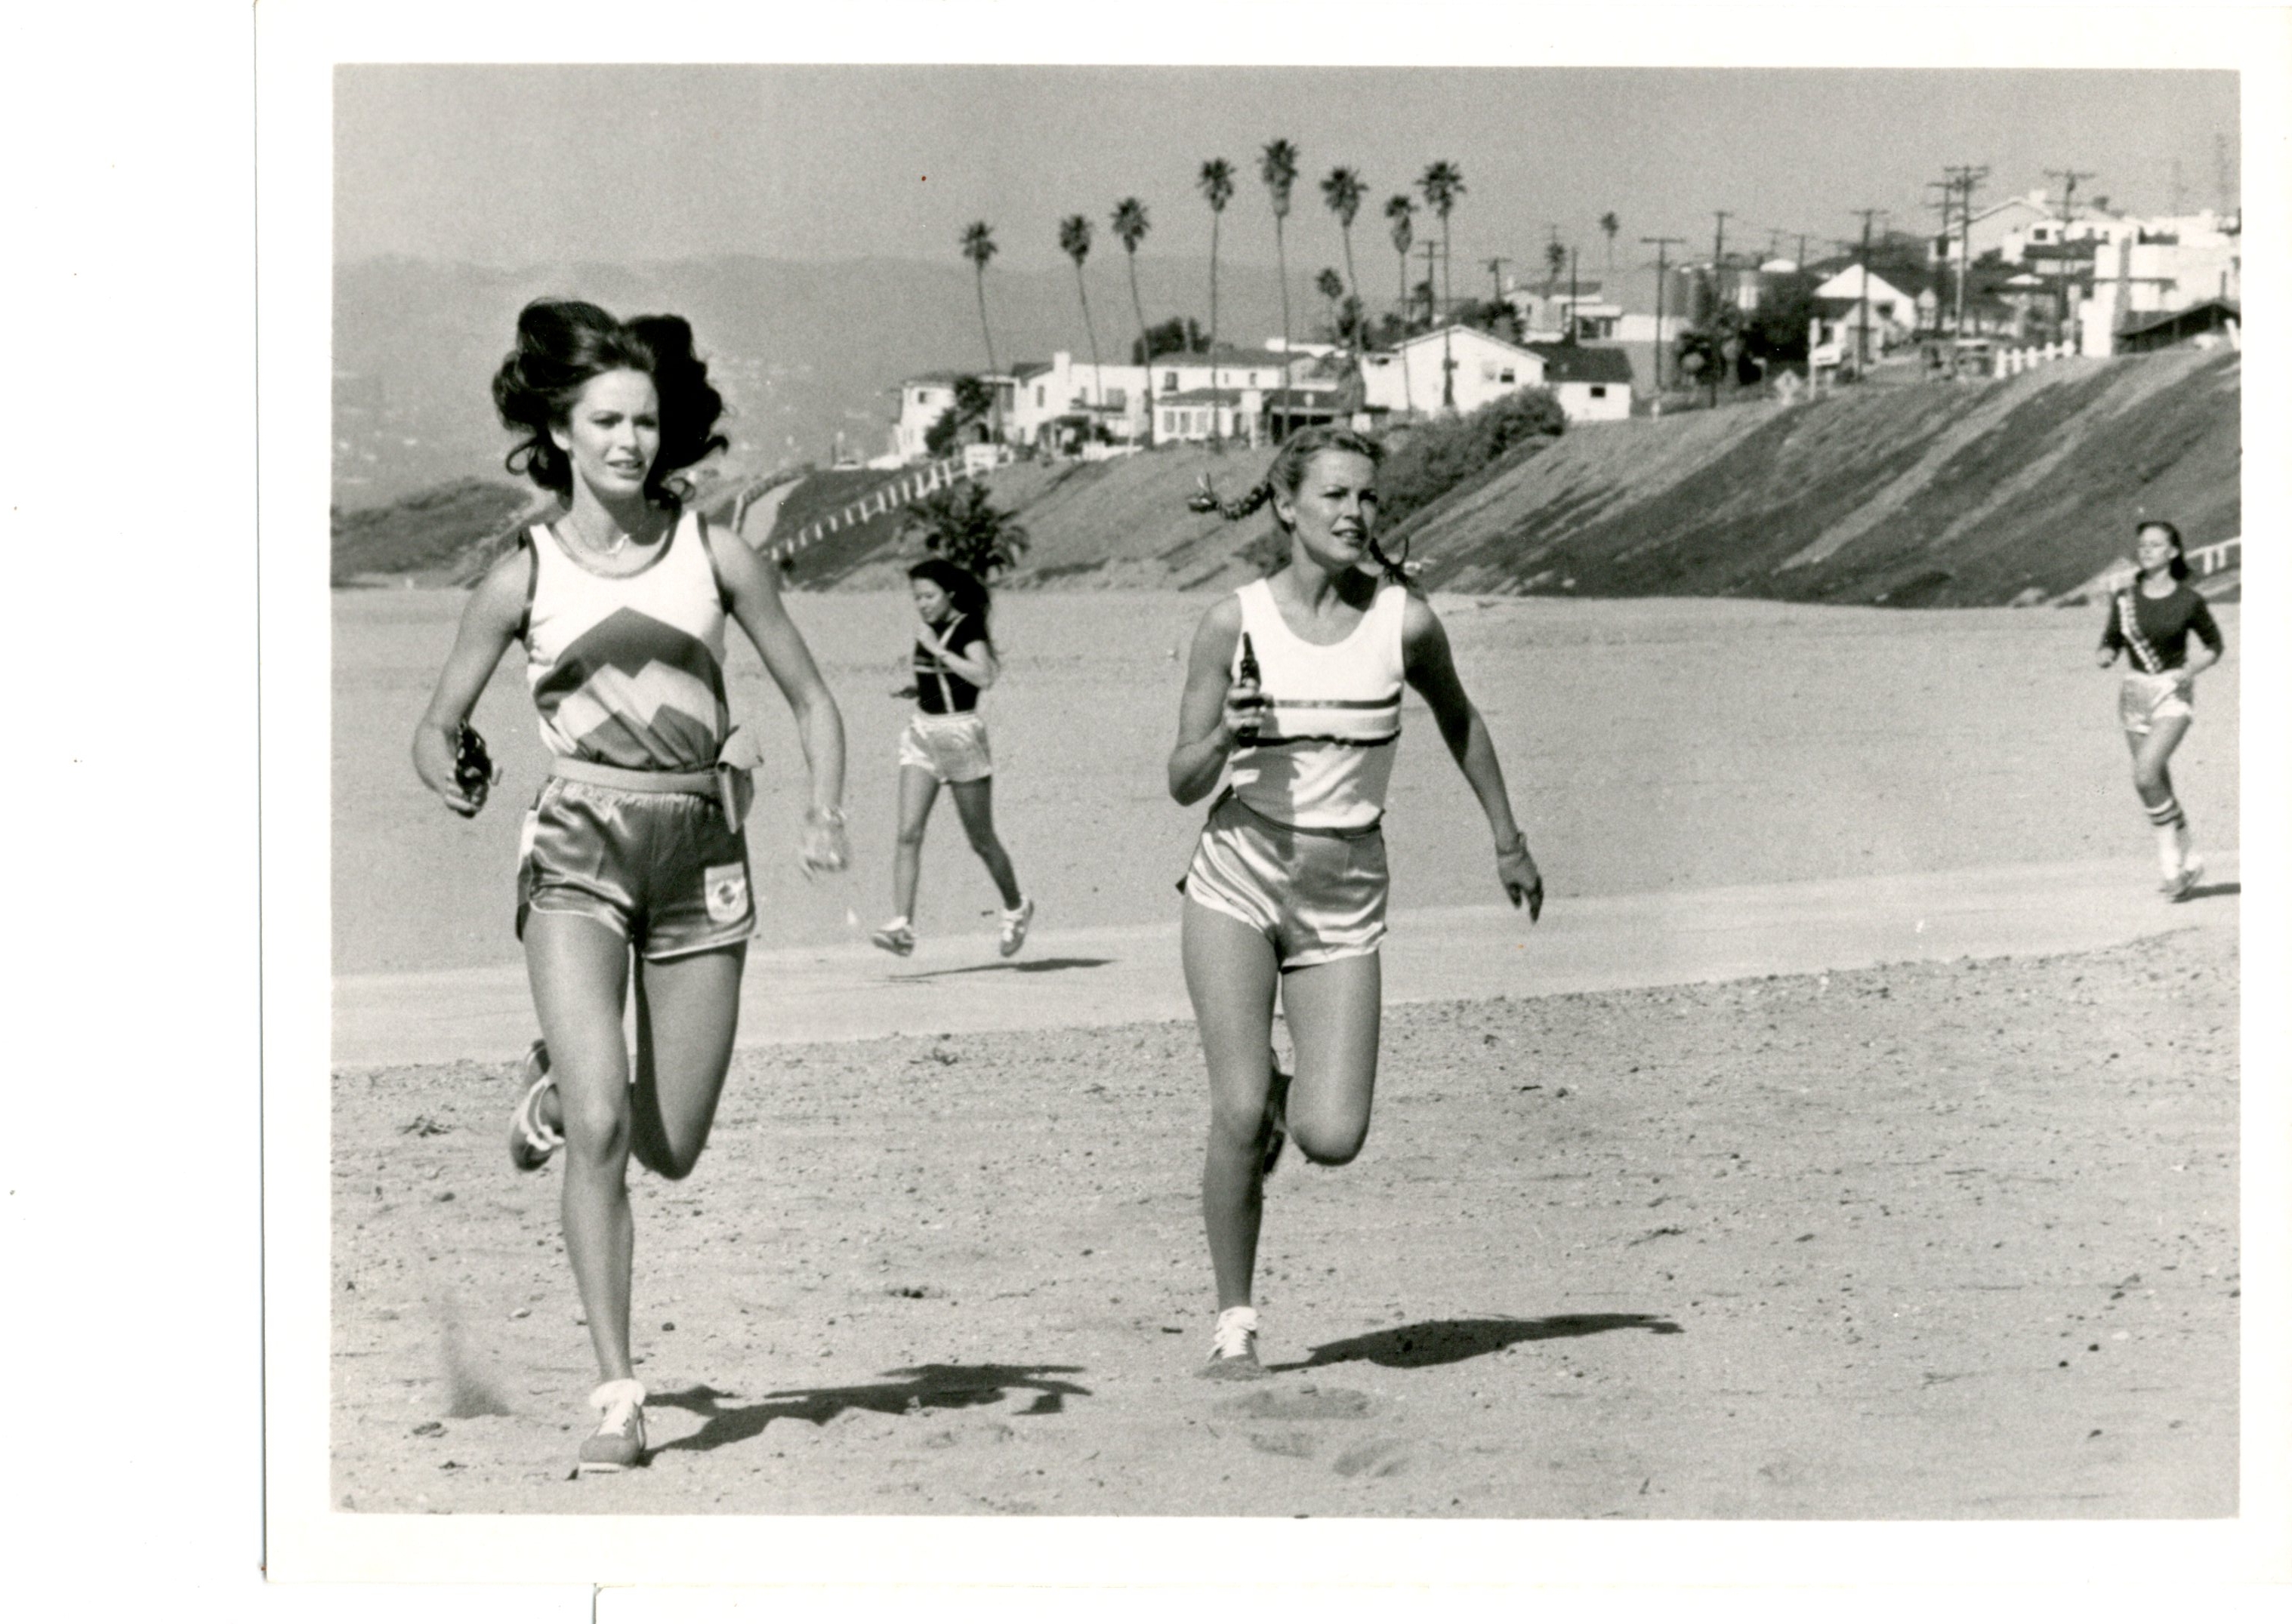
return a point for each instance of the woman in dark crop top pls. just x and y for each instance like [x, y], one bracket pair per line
[945, 743]
[2151, 622]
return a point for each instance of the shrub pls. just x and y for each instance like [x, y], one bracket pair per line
[1438, 456]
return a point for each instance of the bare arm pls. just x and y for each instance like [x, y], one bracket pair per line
[1215, 711]
[1431, 671]
[753, 591]
[490, 625]
[978, 669]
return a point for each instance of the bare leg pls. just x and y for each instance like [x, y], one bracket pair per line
[580, 971]
[2153, 780]
[688, 1010]
[975, 801]
[1336, 1011]
[918, 790]
[1231, 977]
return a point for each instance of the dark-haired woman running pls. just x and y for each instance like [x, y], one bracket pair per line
[1287, 891]
[2150, 622]
[632, 856]
[945, 743]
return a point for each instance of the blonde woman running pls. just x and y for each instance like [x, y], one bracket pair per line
[1287, 892]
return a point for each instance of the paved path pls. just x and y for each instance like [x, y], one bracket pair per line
[1114, 976]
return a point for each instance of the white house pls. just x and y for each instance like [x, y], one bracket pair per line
[926, 396]
[1593, 382]
[1410, 376]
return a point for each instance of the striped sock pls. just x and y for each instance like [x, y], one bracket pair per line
[2172, 828]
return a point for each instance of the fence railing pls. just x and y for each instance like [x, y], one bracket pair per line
[896, 494]
[2006, 363]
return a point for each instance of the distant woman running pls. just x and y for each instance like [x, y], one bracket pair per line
[1287, 887]
[634, 844]
[945, 743]
[2150, 622]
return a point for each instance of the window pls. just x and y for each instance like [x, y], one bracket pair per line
[1504, 376]
[1169, 379]
[1039, 394]
[1599, 392]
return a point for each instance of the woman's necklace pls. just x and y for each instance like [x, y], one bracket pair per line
[607, 550]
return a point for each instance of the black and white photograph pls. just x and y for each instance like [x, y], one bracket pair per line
[1589, 700]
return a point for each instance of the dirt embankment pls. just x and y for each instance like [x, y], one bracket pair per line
[1926, 493]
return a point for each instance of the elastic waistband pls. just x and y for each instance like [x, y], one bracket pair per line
[1350, 832]
[626, 778]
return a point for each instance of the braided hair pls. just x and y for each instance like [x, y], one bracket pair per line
[1288, 471]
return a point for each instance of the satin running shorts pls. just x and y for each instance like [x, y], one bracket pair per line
[660, 869]
[1315, 898]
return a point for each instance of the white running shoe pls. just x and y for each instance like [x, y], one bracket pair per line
[1015, 921]
[620, 1440]
[2181, 885]
[1233, 1347]
[532, 1141]
[898, 937]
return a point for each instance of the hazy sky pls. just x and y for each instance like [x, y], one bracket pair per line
[509, 165]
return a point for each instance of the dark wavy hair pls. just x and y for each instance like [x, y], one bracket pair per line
[1287, 471]
[2179, 567]
[964, 590]
[562, 343]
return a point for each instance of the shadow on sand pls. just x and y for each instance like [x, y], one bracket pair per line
[1447, 1341]
[1024, 967]
[2226, 888]
[919, 1389]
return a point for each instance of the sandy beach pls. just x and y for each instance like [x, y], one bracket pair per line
[1948, 1237]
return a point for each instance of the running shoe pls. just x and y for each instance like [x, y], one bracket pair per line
[1233, 1347]
[1277, 1116]
[1015, 921]
[532, 1141]
[619, 1441]
[2183, 886]
[898, 937]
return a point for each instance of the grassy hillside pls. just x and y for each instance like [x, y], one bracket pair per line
[1926, 493]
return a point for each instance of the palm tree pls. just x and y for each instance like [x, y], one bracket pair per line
[959, 524]
[1130, 226]
[1276, 166]
[1216, 182]
[1342, 191]
[1610, 224]
[1443, 183]
[1331, 286]
[1074, 242]
[1555, 261]
[979, 247]
[1401, 214]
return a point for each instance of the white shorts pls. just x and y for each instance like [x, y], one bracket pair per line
[952, 749]
[2146, 700]
[1315, 897]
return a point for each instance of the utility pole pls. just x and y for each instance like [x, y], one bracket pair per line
[1965, 177]
[1573, 319]
[1802, 253]
[1661, 243]
[1431, 287]
[2068, 178]
[1718, 290]
[1862, 319]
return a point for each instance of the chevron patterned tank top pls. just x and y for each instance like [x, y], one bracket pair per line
[628, 671]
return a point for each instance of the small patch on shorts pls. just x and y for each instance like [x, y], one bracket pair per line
[726, 887]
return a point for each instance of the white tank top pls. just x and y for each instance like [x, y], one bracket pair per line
[1324, 756]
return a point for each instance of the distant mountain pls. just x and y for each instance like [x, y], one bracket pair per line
[800, 351]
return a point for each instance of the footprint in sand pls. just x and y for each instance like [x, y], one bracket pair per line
[1377, 1458]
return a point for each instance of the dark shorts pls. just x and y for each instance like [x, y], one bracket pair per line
[659, 870]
